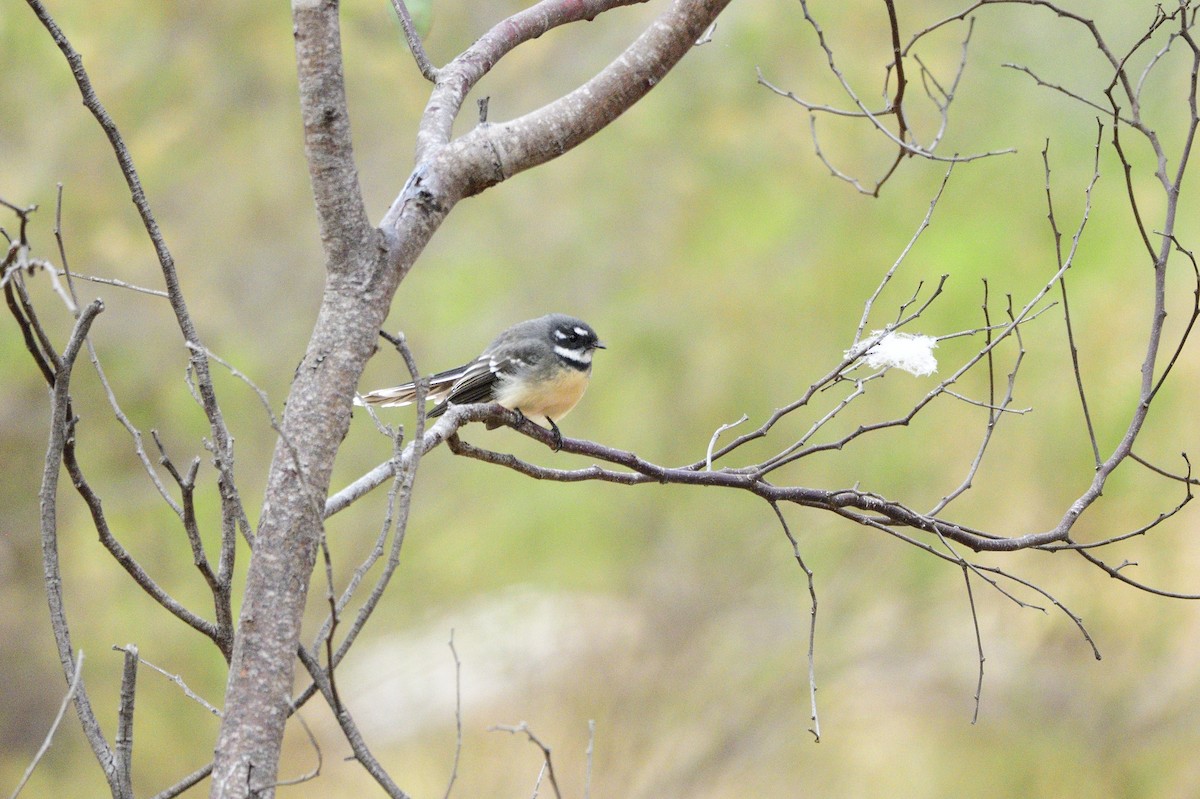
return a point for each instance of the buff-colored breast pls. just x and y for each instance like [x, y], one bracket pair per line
[552, 399]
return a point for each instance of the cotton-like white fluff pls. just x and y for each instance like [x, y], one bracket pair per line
[911, 352]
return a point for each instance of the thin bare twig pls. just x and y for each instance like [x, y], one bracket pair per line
[175, 678]
[1183, 478]
[60, 435]
[218, 585]
[712, 442]
[403, 465]
[995, 411]
[415, 45]
[186, 783]
[537, 784]
[812, 622]
[58, 717]
[1062, 283]
[458, 736]
[222, 441]
[547, 761]
[331, 624]
[887, 277]
[895, 106]
[1191, 322]
[358, 745]
[312, 739]
[112, 281]
[978, 640]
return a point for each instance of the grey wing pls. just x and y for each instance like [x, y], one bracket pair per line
[478, 382]
[474, 384]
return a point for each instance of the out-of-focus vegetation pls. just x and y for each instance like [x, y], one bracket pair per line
[726, 270]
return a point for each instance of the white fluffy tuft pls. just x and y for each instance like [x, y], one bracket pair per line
[911, 352]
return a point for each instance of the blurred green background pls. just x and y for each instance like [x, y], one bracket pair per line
[726, 270]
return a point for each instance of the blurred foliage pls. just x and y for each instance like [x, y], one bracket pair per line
[726, 271]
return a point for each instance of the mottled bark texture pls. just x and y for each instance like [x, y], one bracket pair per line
[365, 266]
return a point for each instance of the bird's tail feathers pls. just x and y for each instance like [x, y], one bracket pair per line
[388, 397]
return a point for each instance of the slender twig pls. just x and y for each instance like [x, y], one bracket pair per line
[358, 746]
[415, 45]
[1183, 478]
[175, 678]
[191, 527]
[37, 342]
[947, 94]
[712, 442]
[895, 106]
[458, 726]
[537, 783]
[1191, 322]
[111, 281]
[403, 465]
[312, 739]
[222, 441]
[887, 277]
[966, 572]
[1116, 573]
[995, 410]
[1063, 90]
[1062, 283]
[332, 623]
[812, 622]
[185, 784]
[58, 717]
[547, 761]
[60, 434]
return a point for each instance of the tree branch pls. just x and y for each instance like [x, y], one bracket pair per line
[459, 77]
[60, 432]
[222, 441]
[415, 45]
[491, 153]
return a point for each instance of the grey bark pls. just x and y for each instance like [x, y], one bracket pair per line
[364, 268]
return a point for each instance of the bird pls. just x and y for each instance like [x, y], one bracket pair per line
[538, 368]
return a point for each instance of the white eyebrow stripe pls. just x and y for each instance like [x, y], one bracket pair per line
[581, 331]
[560, 335]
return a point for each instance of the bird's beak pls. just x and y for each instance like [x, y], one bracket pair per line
[599, 345]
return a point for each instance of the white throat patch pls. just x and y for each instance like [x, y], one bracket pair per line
[581, 357]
